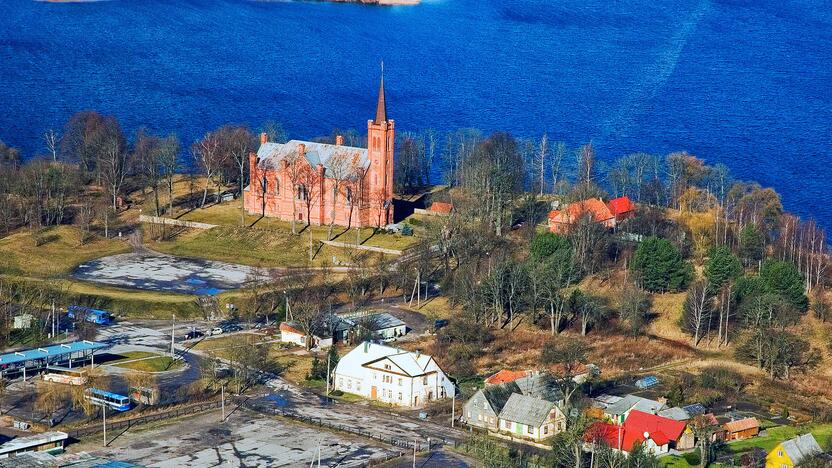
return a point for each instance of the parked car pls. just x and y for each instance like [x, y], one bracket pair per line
[194, 334]
[437, 324]
[216, 331]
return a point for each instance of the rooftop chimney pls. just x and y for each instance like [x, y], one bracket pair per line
[264, 138]
[301, 149]
[339, 140]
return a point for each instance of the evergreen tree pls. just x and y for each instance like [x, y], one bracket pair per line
[659, 266]
[546, 244]
[722, 266]
[751, 244]
[784, 279]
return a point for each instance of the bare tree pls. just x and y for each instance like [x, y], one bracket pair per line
[52, 140]
[239, 143]
[541, 162]
[169, 162]
[113, 165]
[697, 311]
[209, 156]
[340, 168]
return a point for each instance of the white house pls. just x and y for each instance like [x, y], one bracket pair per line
[392, 375]
[292, 333]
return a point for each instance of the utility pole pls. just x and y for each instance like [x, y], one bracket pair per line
[453, 409]
[223, 402]
[414, 453]
[104, 416]
[172, 335]
[327, 370]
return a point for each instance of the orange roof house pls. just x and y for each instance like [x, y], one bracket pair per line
[506, 376]
[441, 208]
[608, 214]
[741, 429]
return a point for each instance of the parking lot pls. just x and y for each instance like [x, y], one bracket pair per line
[245, 439]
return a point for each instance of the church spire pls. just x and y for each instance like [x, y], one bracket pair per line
[381, 107]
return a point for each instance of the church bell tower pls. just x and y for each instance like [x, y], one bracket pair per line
[381, 138]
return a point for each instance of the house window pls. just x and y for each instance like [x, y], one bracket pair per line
[276, 187]
[424, 380]
[349, 384]
[400, 396]
[358, 386]
[349, 195]
[780, 453]
[530, 429]
[302, 193]
[506, 424]
[400, 381]
[387, 367]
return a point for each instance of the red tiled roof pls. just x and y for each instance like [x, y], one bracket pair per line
[661, 430]
[607, 433]
[505, 376]
[441, 207]
[621, 205]
[593, 206]
[288, 328]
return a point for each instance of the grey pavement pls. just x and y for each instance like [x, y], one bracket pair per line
[245, 439]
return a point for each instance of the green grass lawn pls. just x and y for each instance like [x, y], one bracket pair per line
[774, 435]
[267, 242]
[60, 251]
[153, 364]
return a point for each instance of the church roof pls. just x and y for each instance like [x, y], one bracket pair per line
[316, 153]
[381, 106]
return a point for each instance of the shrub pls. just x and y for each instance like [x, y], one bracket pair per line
[407, 230]
[693, 458]
[336, 393]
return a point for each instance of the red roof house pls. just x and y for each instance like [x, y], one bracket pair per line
[505, 376]
[655, 433]
[608, 214]
[621, 207]
[441, 208]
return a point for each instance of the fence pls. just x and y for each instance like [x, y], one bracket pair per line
[160, 416]
[175, 222]
[369, 248]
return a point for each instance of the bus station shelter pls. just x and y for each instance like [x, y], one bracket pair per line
[31, 361]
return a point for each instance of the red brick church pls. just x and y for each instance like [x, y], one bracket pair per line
[312, 182]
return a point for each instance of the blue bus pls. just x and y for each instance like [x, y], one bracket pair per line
[108, 399]
[100, 317]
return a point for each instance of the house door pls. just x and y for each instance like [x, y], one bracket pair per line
[518, 428]
[374, 393]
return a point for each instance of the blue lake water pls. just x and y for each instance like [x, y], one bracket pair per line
[744, 82]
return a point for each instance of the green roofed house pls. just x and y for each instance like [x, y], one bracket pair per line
[483, 409]
[531, 418]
